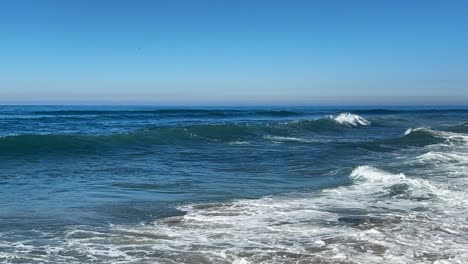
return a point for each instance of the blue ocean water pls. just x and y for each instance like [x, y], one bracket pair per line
[134, 184]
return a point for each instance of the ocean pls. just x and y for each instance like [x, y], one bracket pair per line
[135, 184]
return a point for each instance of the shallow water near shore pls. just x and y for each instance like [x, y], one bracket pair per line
[106, 184]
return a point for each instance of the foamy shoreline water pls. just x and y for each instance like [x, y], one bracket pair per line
[338, 188]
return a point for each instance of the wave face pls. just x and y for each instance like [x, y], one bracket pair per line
[291, 131]
[240, 185]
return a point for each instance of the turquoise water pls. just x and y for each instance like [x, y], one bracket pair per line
[102, 184]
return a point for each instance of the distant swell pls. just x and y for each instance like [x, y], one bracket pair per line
[294, 132]
[407, 111]
[298, 132]
[174, 112]
[226, 112]
[209, 133]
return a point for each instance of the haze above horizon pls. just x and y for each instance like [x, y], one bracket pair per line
[234, 52]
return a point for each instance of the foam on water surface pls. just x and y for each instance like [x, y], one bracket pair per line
[289, 139]
[381, 218]
[351, 120]
[406, 202]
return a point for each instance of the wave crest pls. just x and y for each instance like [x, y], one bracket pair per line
[351, 120]
[371, 174]
[295, 131]
[449, 137]
[443, 157]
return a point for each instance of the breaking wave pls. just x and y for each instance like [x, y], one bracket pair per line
[427, 133]
[407, 204]
[380, 217]
[351, 120]
[211, 133]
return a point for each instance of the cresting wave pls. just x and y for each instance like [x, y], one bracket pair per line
[351, 120]
[380, 218]
[443, 157]
[211, 133]
[448, 160]
[299, 132]
[232, 134]
[409, 203]
[449, 137]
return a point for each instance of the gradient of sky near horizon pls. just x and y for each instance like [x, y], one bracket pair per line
[234, 52]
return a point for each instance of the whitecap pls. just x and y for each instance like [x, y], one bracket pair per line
[443, 157]
[287, 139]
[351, 120]
[450, 136]
[239, 142]
[365, 222]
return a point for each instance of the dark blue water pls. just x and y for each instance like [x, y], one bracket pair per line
[102, 184]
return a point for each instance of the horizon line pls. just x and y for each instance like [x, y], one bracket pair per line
[234, 105]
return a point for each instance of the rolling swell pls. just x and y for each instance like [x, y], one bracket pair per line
[203, 113]
[294, 132]
[412, 138]
[297, 132]
[147, 187]
[273, 112]
[168, 135]
[420, 136]
[430, 134]
[406, 111]
[460, 128]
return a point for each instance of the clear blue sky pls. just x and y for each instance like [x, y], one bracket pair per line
[234, 52]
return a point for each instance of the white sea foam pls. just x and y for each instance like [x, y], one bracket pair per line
[381, 218]
[239, 142]
[443, 157]
[351, 119]
[288, 139]
[450, 136]
[446, 161]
